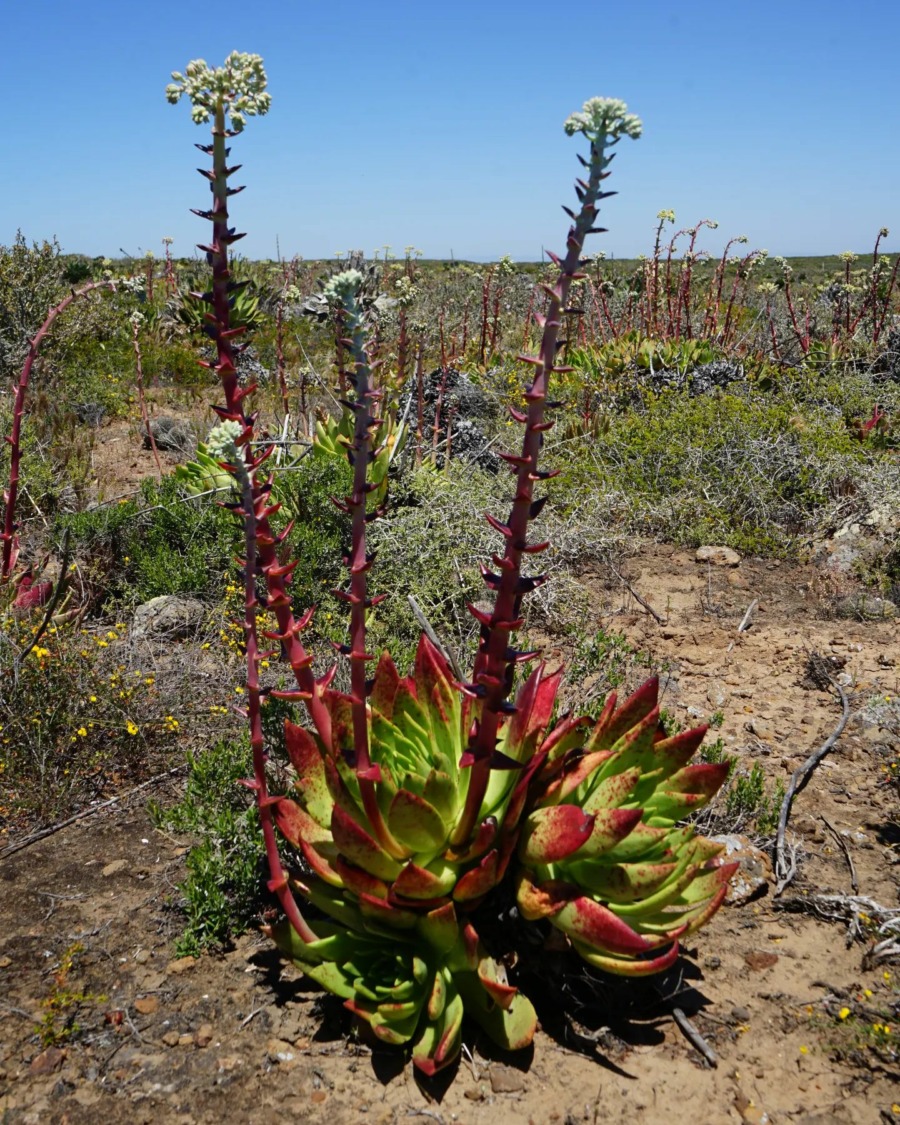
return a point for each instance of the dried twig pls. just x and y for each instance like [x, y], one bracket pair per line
[445, 650]
[746, 619]
[54, 828]
[695, 1038]
[637, 597]
[784, 871]
[860, 913]
[842, 844]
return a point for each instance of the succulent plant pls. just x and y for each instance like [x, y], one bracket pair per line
[402, 874]
[414, 797]
[334, 436]
[602, 856]
[204, 474]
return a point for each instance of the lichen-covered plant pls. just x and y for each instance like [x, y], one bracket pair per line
[415, 797]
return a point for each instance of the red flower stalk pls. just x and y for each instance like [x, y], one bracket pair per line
[14, 440]
[237, 90]
[603, 121]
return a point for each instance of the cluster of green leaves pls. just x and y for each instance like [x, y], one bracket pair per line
[223, 889]
[745, 798]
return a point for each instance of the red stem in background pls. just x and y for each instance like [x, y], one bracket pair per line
[10, 496]
[886, 304]
[420, 401]
[279, 355]
[485, 299]
[139, 368]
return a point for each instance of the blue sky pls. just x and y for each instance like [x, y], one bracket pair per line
[439, 124]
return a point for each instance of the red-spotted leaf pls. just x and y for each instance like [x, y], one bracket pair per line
[593, 925]
[440, 928]
[477, 882]
[635, 708]
[384, 688]
[358, 881]
[416, 823]
[306, 758]
[542, 900]
[551, 834]
[419, 883]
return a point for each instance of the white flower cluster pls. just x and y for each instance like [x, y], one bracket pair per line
[239, 87]
[220, 443]
[343, 287]
[604, 120]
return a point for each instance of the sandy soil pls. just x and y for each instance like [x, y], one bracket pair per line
[241, 1037]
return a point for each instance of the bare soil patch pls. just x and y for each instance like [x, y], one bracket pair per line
[240, 1036]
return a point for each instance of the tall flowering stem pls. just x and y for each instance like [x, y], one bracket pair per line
[14, 440]
[232, 93]
[342, 291]
[603, 121]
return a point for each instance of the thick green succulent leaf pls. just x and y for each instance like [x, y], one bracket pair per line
[415, 823]
[628, 966]
[511, 1028]
[358, 881]
[476, 882]
[680, 876]
[594, 925]
[309, 837]
[384, 686]
[641, 843]
[440, 928]
[386, 913]
[611, 826]
[441, 791]
[393, 1030]
[544, 898]
[433, 881]
[611, 726]
[551, 834]
[331, 901]
[634, 749]
[612, 792]
[621, 882]
[534, 702]
[360, 848]
[440, 1040]
[437, 1000]
[703, 777]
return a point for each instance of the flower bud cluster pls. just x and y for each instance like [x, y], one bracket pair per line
[343, 287]
[221, 441]
[239, 87]
[603, 121]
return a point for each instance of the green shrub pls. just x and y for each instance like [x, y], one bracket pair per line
[162, 544]
[752, 473]
[225, 888]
